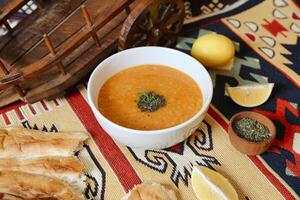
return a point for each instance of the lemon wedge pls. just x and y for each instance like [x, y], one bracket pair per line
[250, 95]
[210, 185]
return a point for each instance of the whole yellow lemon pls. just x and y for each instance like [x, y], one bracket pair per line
[213, 50]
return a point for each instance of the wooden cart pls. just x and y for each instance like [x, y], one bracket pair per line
[58, 44]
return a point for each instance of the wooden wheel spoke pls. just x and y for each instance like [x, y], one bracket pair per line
[171, 10]
[170, 32]
[151, 24]
[170, 35]
[136, 32]
[165, 14]
[172, 20]
[142, 29]
[136, 36]
[139, 43]
[159, 20]
[146, 22]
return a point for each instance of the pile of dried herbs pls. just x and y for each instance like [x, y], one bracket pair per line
[251, 130]
[150, 101]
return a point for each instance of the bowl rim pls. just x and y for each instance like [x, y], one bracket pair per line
[247, 113]
[203, 109]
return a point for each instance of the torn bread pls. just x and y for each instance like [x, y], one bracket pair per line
[69, 169]
[152, 191]
[31, 186]
[31, 143]
[10, 197]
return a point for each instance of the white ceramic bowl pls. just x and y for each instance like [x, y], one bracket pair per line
[149, 55]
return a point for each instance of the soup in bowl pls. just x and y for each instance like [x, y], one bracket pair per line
[150, 97]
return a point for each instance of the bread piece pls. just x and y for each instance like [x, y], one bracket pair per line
[31, 143]
[31, 186]
[69, 169]
[153, 191]
[9, 197]
[12, 197]
[132, 195]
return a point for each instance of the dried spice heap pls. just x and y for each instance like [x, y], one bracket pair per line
[150, 102]
[251, 130]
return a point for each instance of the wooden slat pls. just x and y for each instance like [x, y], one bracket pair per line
[27, 45]
[3, 67]
[17, 88]
[8, 96]
[89, 23]
[72, 43]
[53, 52]
[89, 59]
[112, 26]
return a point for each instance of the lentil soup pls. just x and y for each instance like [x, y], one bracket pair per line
[149, 97]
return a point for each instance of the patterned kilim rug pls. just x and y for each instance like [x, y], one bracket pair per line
[266, 35]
